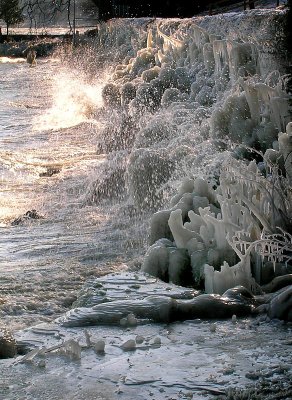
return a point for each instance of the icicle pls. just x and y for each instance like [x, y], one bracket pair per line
[150, 39]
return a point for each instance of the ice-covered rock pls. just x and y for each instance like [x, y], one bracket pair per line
[139, 339]
[72, 349]
[280, 306]
[129, 345]
[147, 171]
[99, 346]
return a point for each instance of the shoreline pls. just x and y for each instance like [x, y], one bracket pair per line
[44, 45]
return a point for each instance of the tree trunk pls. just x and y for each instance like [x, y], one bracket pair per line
[7, 28]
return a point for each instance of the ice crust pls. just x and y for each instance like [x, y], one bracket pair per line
[72, 362]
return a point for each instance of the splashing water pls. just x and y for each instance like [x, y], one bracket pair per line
[74, 102]
[48, 126]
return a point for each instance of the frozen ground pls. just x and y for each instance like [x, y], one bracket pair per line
[191, 360]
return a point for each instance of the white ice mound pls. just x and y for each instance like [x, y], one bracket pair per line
[170, 303]
[222, 248]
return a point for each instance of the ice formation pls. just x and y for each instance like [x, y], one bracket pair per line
[151, 299]
[99, 346]
[129, 345]
[199, 96]
[164, 308]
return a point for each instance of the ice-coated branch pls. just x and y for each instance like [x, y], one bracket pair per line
[276, 247]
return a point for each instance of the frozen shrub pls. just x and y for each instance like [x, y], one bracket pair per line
[158, 89]
[266, 134]
[118, 135]
[233, 120]
[204, 97]
[167, 76]
[120, 71]
[182, 79]
[201, 114]
[110, 182]
[150, 74]
[144, 60]
[148, 170]
[146, 97]
[196, 87]
[172, 95]
[219, 124]
[111, 95]
[128, 92]
[155, 132]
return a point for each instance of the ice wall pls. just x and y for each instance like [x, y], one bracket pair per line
[188, 101]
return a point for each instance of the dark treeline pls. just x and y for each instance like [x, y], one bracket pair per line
[151, 8]
[160, 8]
[288, 47]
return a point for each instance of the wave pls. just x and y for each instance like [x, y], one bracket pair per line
[8, 60]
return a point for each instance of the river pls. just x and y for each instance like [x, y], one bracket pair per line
[50, 121]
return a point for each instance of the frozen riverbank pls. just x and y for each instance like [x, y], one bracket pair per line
[181, 98]
[44, 47]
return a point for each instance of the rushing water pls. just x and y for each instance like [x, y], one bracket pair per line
[49, 122]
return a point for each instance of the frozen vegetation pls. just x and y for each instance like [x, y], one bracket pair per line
[202, 134]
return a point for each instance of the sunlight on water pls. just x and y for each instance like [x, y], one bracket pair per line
[58, 134]
[74, 102]
[7, 60]
[47, 158]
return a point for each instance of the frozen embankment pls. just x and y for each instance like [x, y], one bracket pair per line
[188, 102]
[43, 47]
[200, 128]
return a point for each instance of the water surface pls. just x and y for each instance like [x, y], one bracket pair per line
[50, 120]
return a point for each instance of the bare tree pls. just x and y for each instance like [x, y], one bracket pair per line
[44, 13]
[10, 12]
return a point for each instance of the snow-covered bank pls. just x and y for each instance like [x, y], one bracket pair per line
[189, 362]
